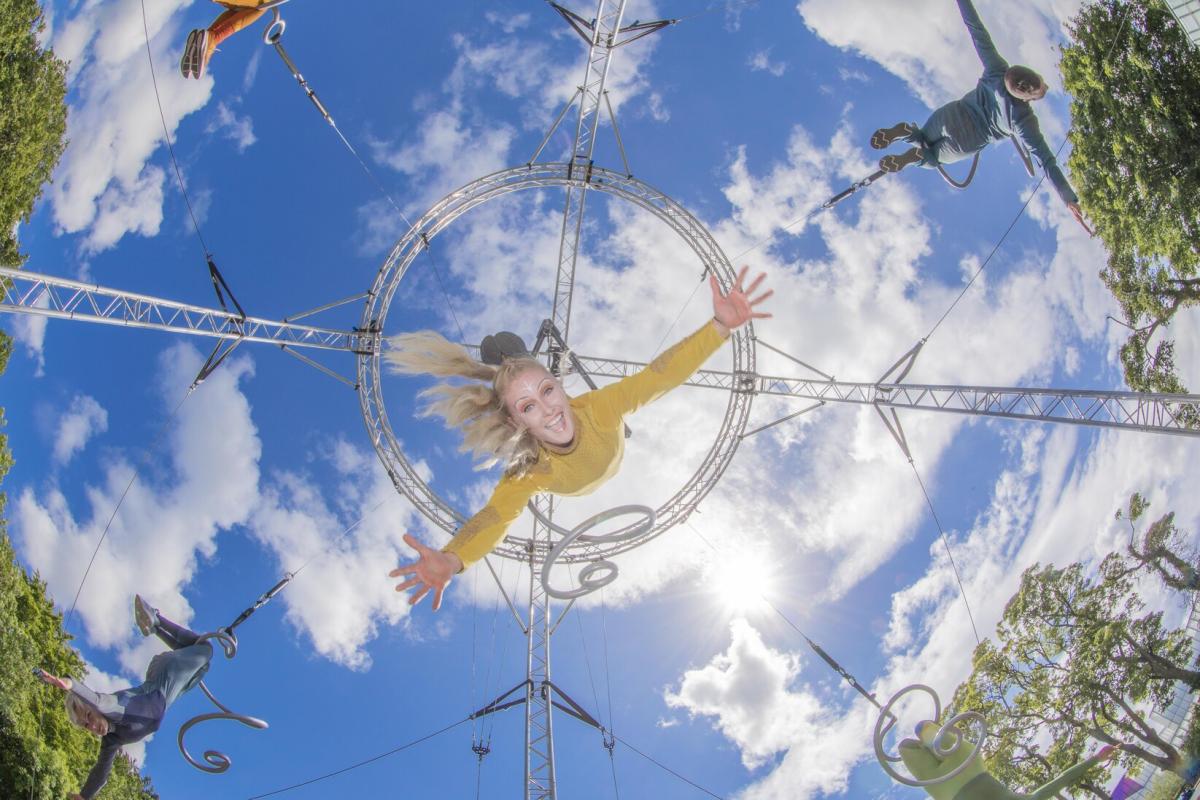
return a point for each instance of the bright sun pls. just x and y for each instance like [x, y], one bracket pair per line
[741, 581]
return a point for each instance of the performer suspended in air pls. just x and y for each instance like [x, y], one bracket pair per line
[996, 109]
[516, 413]
[927, 763]
[132, 714]
[203, 42]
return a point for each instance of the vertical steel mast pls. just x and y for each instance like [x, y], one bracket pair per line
[539, 726]
[601, 34]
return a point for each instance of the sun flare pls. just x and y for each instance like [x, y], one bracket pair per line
[741, 581]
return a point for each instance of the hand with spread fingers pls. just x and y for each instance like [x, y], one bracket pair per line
[432, 570]
[1077, 213]
[55, 681]
[733, 310]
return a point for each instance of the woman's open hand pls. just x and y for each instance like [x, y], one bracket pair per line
[432, 570]
[733, 310]
[54, 680]
[1077, 213]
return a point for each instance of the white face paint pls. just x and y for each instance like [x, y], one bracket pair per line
[537, 401]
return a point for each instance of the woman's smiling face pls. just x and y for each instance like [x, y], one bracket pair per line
[536, 401]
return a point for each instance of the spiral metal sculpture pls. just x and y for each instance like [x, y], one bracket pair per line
[952, 730]
[589, 581]
[216, 762]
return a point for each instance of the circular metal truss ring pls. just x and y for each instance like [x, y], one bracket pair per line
[441, 215]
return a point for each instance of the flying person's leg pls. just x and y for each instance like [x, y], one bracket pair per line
[177, 671]
[906, 132]
[150, 621]
[202, 43]
[936, 142]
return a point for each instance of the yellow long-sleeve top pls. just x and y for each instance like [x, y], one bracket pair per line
[594, 455]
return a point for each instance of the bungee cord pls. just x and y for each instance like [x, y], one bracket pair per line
[665, 768]
[220, 287]
[167, 136]
[609, 740]
[949, 553]
[364, 762]
[120, 501]
[272, 37]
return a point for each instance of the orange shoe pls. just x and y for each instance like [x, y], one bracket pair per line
[196, 53]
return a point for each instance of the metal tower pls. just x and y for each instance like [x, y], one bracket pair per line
[31, 293]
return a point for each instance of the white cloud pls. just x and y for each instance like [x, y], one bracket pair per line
[748, 689]
[760, 61]
[30, 331]
[450, 150]
[656, 108]
[1049, 507]
[853, 75]
[84, 419]
[455, 144]
[169, 520]
[845, 500]
[926, 45]
[105, 186]
[343, 594]
[251, 74]
[237, 129]
[168, 524]
[509, 23]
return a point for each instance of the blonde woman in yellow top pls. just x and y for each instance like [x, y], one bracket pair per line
[516, 413]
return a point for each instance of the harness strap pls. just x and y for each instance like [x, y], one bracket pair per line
[966, 181]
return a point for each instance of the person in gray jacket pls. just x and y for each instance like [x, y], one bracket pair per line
[132, 714]
[996, 109]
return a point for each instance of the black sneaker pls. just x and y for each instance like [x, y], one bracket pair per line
[885, 136]
[897, 163]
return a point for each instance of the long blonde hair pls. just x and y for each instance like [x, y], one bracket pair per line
[477, 408]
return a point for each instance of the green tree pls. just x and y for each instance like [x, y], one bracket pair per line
[42, 755]
[1162, 549]
[1016, 751]
[1134, 79]
[33, 118]
[1165, 786]
[1078, 659]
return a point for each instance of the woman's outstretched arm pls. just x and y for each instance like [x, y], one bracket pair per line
[433, 569]
[992, 62]
[680, 362]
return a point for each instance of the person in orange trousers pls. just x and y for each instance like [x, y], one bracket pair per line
[203, 42]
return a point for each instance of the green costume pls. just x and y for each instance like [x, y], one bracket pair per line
[974, 782]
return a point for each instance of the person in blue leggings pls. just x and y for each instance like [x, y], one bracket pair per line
[132, 714]
[996, 109]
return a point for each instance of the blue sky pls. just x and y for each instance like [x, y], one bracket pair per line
[748, 115]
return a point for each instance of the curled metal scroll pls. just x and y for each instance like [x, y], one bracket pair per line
[589, 579]
[948, 741]
[216, 762]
